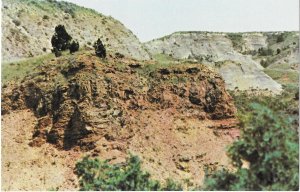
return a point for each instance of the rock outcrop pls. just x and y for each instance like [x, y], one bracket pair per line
[27, 28]
[108, 108]
[76, 97]
[235, 56]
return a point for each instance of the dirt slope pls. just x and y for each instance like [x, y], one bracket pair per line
[32, 168]
[177, 119]
[27, 28]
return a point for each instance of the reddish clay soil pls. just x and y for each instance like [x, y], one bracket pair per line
[178, 120]
[33, 168]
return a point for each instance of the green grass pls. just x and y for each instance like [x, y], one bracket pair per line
[162, 61]
[283, 76]
[15, 71]
[280, 66]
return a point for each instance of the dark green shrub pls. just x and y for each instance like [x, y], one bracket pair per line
[265, 51]
[99, 175]
[71, 12]
[265, 62]
[16, 22]
[61, 39]
[119, 55]
[284, 105]
[297, 95]
[74, 46]
[250, 52]
[280, 38]
[45, 17]
[270, 147]
[171, 186]
[278, 51]
[100, 49]
[279, 103]
[237, 40]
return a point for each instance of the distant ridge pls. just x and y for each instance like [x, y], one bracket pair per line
[27, 27]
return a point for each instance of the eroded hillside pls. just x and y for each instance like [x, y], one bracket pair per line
[179, 119]
[27, 27]
[174, 112]
[240, 58]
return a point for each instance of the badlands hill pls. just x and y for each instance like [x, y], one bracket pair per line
[178, 119]
[240, 58]
[27, 26]
[176, 115]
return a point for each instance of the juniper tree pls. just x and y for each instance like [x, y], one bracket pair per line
[100, 49]
[74, 46]
[60, 40]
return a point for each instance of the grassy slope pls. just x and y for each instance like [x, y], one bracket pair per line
[15, 71]
[284, 77]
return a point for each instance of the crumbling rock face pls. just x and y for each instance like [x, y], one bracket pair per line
[199, 90]
[234, 56]
[81, 100]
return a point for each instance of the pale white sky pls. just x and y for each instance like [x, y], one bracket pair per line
[149, 19]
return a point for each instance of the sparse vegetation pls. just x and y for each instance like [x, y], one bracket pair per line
[71, 12]
[269, 125]
[45, 17]
[283, 76]
[17, 70]
[237, 40]
[100, 49]
[250, 52]
[162, 61]
[119, 55]
[265, 62]
[265, 51]
[16, 22]
[99, 175]
[278, 51]
[280, 38]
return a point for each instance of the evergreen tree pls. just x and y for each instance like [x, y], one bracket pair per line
[74, 46]
[60, 40]
[100, 49]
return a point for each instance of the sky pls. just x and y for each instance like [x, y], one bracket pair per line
[149, 19]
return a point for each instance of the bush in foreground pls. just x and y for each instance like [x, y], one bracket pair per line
[100, 175]
[271, 148]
